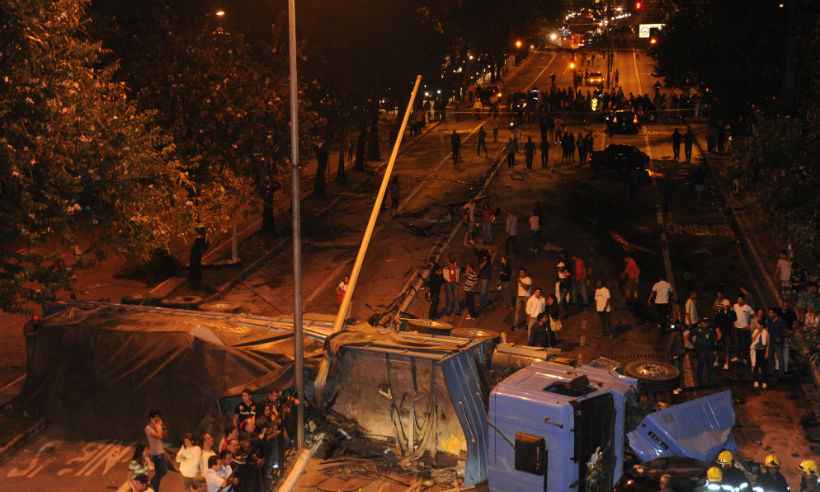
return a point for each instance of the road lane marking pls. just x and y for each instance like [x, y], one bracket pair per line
[637, 72]
[554, 56]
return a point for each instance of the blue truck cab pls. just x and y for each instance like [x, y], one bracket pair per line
[556, 428]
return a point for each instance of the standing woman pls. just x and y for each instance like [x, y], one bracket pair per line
[189, 459]
[141, 463]
[207, 452]
[470, 286]
[759, 350]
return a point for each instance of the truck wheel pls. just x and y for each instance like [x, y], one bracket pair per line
[653, 376]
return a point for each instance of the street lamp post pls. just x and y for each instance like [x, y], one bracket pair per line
[298, 340]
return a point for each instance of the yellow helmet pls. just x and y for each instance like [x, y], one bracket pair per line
[771, 461]
[725, 457]
[714, 474]
[808, 466]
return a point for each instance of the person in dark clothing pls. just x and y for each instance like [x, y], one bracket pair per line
[771, 480]
[674, 349]
[777, 335]
[434, 283]
[455, 143]
[529, 151]
[704, 340]
[688, 141]
[676, 141]
[512, 148]
[195, 267]
[545, 153]
[482, 141]
[725, 321]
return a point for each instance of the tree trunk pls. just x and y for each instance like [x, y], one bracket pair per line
[319, 186]
[373, 147]
[360, 148]
[195, 263]
[268, 223]
[340, 169]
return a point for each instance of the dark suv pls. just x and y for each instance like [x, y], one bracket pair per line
[623, 159]
[622, 121]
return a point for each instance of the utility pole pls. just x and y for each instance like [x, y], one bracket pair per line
[298, 340]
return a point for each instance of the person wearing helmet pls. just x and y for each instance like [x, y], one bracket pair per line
[809, 481]
[771, 480]
[733, 479]
[714, 481]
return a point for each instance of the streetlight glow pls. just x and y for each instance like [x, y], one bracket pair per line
[519, 44]
[220, 13]
[553, 36]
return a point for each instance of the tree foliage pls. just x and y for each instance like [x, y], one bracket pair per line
[78, 159]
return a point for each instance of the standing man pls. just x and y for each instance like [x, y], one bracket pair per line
[434, 283]
[452, 277]
[482, 141]
[455, 143]
[776, 326]
[536, 305]
[545, 153]
[631, 276]
[725, 321]
[155, 432]
[603, 306]
[529, 152]
[690, 316]
[485, 273]
[676, 140]
[661, 297]
[688, 141]
[783, 270]
[535, 231]
[771, 480]
[704, 339]
[512, 148]
[743, 323]
[511, 228]
[579, 281]
[341, 290]
[524, 287]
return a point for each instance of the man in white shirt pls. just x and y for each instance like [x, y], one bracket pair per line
[743, 322]
[524, 291]
[536, 305]
[691, 315]
[783, 270]
[603, 306]
[660, 297]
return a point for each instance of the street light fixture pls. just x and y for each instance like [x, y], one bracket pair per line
[519, 44]
[553, 36]
[220, 13]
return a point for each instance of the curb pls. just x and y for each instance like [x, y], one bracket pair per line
[22, 438]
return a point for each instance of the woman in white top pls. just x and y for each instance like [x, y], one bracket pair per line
[207, 452]
[759, 350]
[189, 459]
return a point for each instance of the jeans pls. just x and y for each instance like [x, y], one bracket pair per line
[520, 305]
[451, 298]
[662, 312]
[744, 341]
[469, 301]
[786, 347]
[579, 292]
[704, 368]
[160, 469]
[604, 317]
[483, 287]
[761, 366]
[531, 322]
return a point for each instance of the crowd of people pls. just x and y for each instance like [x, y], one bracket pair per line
[248, 457]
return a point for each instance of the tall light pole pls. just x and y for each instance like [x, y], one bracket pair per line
[298, 341]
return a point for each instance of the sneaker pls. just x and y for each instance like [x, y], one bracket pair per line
[763, 385]
[756, 385]
[726, 367]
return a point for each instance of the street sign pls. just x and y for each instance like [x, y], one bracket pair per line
[644, 29]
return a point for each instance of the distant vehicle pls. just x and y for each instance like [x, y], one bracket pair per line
[622, 121]
[534, 96]
[489, 95]
[622, 159]
[595, 79]
[519, 102]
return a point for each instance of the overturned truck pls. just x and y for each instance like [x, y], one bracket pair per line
[461, 400]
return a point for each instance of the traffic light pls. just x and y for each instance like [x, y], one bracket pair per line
[638, 5]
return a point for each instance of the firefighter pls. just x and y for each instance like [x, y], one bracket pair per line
[733, 479]
[714, 481]
[771, 480]
[809, 481]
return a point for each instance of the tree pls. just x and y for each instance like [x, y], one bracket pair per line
[78, 159]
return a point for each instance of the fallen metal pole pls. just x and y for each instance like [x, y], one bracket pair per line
[298, 342]
[374, 214]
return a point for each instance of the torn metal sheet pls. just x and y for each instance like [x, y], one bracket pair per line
[697, 429]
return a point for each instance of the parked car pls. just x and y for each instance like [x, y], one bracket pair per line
[622, 159]
[595, 79]
[622, 121]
